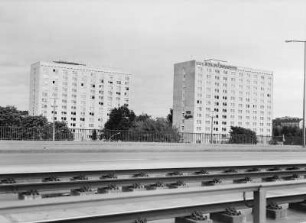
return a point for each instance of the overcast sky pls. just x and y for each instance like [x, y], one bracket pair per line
[147, 37]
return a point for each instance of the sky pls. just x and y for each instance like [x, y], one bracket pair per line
[146, 38]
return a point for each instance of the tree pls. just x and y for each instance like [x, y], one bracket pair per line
[94, 135]
[62, 132]
[170, 117]
[157, 130]
[10, 116]
[34, 127]
[277, 130]
[142, 117]
[291, 134]
[241, 135]
[17, 124]
[124, 125]
[121, 118]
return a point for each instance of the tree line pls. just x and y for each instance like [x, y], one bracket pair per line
[289, 135]
[15, 124]
[124, 124]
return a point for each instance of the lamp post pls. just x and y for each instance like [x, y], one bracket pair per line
[211, 128]
[53, 125]
[302, 41]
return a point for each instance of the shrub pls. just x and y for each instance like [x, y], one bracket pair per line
[239, 135]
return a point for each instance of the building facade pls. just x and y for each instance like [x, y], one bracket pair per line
[211, 96]
[77, 94]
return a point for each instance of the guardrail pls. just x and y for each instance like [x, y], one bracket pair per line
[150, 212]
[52, 181]
[44, 182]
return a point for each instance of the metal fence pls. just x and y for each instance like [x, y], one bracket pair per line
[206, 138]
[35, 134]
[64, 134]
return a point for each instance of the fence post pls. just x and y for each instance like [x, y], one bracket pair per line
[259, 212]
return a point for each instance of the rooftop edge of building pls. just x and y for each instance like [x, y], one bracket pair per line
[80, 66]
[227, 66]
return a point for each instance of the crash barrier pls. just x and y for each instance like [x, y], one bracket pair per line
[142, 208]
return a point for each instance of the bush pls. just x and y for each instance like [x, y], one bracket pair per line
[239, 135]
[94, 135]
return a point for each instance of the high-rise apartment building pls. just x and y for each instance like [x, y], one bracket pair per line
[77, 94]
[211, 96]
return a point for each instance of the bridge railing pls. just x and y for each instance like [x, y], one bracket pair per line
[80, 134]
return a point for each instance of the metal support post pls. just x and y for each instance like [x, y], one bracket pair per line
[211, 128]
[304, 91]
[260, 203]
[304, 94]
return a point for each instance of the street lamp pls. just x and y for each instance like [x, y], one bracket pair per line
[53, 125]
[302, 41]
[211, 127]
